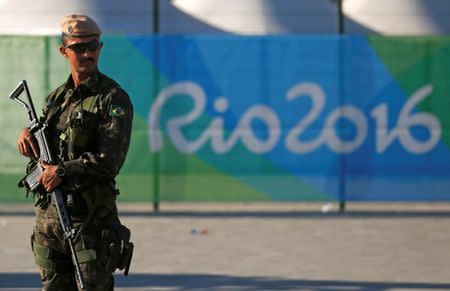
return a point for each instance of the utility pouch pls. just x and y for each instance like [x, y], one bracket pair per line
[119, 249]
[81, 130]
[77, 139]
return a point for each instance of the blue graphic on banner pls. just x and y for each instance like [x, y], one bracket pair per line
[323, 110]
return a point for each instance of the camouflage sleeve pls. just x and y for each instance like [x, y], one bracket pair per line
[113, 139]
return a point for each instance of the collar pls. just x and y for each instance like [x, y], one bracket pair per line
[90, 83]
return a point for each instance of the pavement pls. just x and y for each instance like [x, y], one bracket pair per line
[263, 246]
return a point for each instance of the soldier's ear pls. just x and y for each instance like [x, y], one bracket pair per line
[62, 50]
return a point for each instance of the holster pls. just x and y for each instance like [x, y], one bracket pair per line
[119, 249]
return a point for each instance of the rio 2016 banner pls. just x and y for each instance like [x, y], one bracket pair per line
[285, 118]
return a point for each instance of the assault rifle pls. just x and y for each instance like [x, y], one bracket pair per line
[32, 180]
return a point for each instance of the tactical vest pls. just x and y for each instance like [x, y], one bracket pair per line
[77, 136]
[78, 131]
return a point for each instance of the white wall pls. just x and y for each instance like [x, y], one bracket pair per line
[388, 17]
[397, 17]
[405, 17]
[248, 16]
[43, 17]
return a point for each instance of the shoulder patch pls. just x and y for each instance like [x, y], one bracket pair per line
[117, 111]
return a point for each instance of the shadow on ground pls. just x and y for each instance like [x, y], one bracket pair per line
[195, 282]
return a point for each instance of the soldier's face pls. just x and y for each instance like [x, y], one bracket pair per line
[82, 54]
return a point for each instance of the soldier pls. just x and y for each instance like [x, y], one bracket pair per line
[89, 121]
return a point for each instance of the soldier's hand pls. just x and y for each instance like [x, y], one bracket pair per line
[27, 145]
[48, 178]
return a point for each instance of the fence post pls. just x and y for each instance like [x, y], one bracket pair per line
[156, 174]
[341, 72]
[47, 64]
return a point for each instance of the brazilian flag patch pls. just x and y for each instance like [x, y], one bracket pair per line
[117, 111]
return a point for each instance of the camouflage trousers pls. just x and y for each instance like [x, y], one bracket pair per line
[53, 257]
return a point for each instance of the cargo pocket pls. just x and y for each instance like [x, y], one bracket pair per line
[50, 260]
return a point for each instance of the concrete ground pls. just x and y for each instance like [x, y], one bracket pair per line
[194, 247]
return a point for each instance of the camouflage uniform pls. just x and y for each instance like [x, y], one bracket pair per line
[89, 128]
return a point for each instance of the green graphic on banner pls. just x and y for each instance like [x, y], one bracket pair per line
[415, 61]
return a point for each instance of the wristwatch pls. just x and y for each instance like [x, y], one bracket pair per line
[60, 170]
